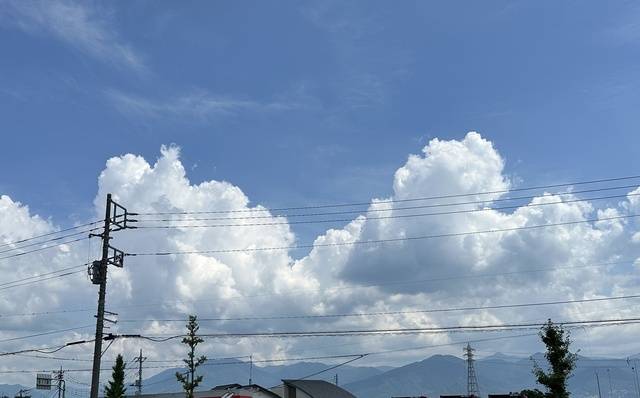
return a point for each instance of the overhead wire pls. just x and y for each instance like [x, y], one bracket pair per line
[40, 280]
[48, 333]
[396, 216]
[50, 233]
[386, 331]
[46, 350]
[339, 288]
[48, 240]
[448, 196]
[41, 275]
[43, 248]
[376, 241]
[303, 358]
[404, 312]
[369, 209]
[334, 367]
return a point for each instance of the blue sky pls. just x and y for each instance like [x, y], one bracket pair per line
[315, 101]
[302, 103]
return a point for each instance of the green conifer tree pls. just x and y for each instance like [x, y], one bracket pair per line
[116, 388]
[189, 380]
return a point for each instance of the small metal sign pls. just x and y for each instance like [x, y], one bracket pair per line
[43, 381]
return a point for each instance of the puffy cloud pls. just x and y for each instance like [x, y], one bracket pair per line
[337, 276]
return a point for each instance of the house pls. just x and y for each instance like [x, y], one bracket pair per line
[239, 391]
[223, 391]
[310, 389]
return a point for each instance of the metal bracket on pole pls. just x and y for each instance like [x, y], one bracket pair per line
[116, 258]
[120, 217]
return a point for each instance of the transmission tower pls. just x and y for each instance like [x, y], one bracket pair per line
[472, 380]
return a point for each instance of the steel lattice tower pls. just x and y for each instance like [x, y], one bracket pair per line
[472, 380]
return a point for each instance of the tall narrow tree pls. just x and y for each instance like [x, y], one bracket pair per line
[189, 380]
[561, 362]
[116, 388]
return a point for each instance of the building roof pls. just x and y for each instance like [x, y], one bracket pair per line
[319, 388]
[235, 387]
[226, 386]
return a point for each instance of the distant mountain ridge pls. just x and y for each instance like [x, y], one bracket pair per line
[433, 376]
[221, 372]
[500, 373]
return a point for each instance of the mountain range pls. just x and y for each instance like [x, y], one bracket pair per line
[433, 376]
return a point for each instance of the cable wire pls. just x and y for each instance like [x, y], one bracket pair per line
[41, 280]
[338, 288]
[50, 233]
[397, 331]
[45, 333]
[402, 200]
[49, 240]
[385, 313]
[415, 215]
[43, 248]
[370, 210]
[45, 274]
[375, 241]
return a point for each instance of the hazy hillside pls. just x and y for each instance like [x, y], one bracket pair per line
[496, 374]
[221, 372]
[439, 374]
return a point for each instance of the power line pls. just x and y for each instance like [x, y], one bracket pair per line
[113, 337]
[289, 359]
[45, 350]
[45, 274]
[334, 367]
[370, 210]
[54, 358]
[44, 333]
[415, 215]
[398, 331]
[49, 234]
[307, 358]
[401, 200]
[384, 313]
[40, 280]
[44, 248]
[302, 291]
[47, 241]
[374, 241]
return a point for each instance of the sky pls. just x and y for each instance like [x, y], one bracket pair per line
[209, 106]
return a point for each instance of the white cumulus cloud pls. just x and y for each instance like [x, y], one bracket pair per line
[344, 272]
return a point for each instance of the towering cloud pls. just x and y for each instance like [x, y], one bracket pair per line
[345, 271]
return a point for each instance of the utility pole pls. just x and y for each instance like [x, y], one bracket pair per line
[635, 371]
[635, 380]
[250, 369]
[61, 383]
[138, 382]
[598, 383]
[610, 385]
[115, 219]
[472, 380]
